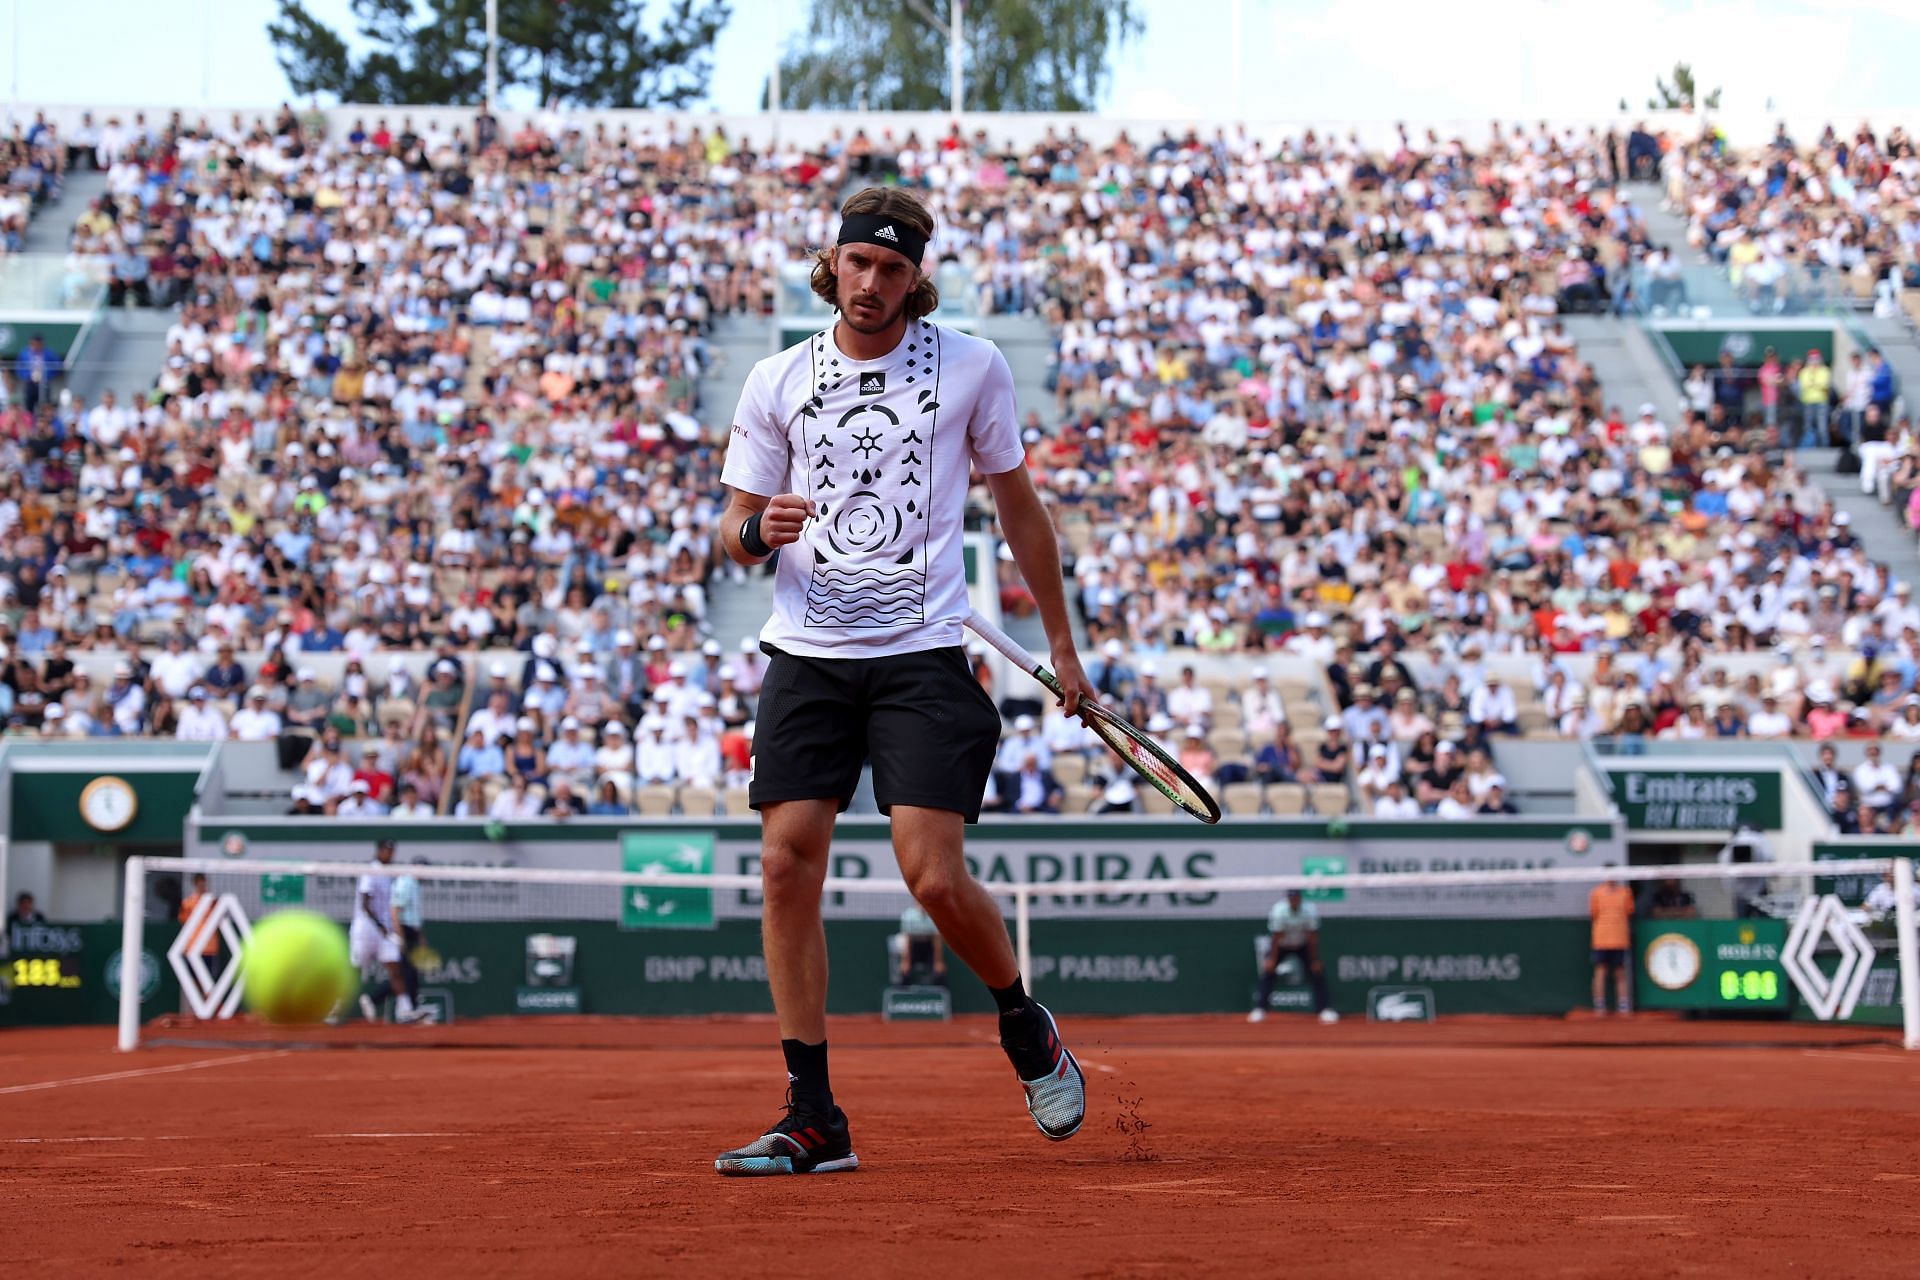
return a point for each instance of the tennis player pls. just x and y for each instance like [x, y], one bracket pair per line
[373, 939]
[852, 451]
[1293, 932]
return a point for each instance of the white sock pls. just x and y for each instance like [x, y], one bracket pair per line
[404, 1007]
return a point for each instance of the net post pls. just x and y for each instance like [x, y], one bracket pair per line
[1904, 926]
[1023, 933]
[133, 910]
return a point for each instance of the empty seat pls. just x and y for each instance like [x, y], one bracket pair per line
[1069, 769]
[698, 802]
[733, 803]
[1153, 802]
[1286, 799]
[654, 800]
[1330, 798]
[1228, 743]
[1079, 798]
[1241, 798]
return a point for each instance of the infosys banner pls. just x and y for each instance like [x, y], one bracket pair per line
[1663, 799]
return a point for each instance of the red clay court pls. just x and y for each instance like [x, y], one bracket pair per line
[1470, 1147]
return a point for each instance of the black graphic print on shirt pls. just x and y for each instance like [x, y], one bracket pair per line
[869, 468]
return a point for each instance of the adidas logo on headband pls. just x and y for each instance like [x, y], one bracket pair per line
[886, 233]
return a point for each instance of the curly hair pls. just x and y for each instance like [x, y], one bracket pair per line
[887, 202]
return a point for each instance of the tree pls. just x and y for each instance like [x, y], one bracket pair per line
[588, 53]
[1019, 55]
[1682, 94]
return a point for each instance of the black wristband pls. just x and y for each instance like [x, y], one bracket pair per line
[750, 540]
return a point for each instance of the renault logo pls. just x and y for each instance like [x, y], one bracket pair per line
[209, 996]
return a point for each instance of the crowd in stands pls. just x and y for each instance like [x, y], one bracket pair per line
[32, 162]
[434, 388]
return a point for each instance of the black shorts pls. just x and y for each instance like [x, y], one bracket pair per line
[1610, 957]
[922, 719]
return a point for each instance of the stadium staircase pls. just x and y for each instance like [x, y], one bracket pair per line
[1878, 527]
[1630, 371]
[1026, 342]
[130, 344]
[735, 608]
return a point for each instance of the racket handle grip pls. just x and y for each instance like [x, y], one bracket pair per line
[1012, 650]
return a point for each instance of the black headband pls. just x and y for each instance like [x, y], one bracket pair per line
[888, 233]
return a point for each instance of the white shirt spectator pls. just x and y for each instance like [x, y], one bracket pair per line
[570, 755]
[1876, 783]
[697, 760]
[1492, 702]
[1261, 710]
[201, 723]
[492, 724]
[1189, 704]
[418, 809]
[255, 724]
[1374, 777]
[176, 672]
[1452, 809]
[1388, 807]
[654, 759]
[515, 804]
[1018, 746]
[615, 758]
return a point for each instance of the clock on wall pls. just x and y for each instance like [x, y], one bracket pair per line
[109, 804]
[1673, 961]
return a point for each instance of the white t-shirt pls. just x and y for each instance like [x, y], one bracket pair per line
[377, 892]
[883, 446]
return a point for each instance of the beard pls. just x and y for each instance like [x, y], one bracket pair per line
[878, 321]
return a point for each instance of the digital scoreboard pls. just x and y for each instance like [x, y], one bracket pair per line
[1725, 966]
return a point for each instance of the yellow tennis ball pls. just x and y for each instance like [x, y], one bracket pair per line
[296, 967]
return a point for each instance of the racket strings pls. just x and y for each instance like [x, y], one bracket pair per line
[1155, 766]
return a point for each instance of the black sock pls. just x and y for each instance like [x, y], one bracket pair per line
[1012, 998]
[1266, 990]
[807, 1069]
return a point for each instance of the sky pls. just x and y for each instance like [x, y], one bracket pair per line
[1299, 59]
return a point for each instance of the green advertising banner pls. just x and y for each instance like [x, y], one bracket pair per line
[1854, 887]
[16, 332]
[682, 853]
[1880, 999]
[1097, 967]
[69, 974]
[1654, 798]
[1312, 866]
[1113, 966]
[1748, 346]
[1723, 966]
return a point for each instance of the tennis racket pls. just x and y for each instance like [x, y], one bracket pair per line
[1146, 756]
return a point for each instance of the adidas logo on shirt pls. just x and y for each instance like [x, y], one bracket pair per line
[873, 384]
[887, 233]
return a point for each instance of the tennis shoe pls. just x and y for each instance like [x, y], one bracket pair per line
[369, 1010]
[799, 1142]
[1055, 1087]
[1257, 1015]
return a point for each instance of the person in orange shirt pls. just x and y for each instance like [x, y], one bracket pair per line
[1610, 906]
[208, 940]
